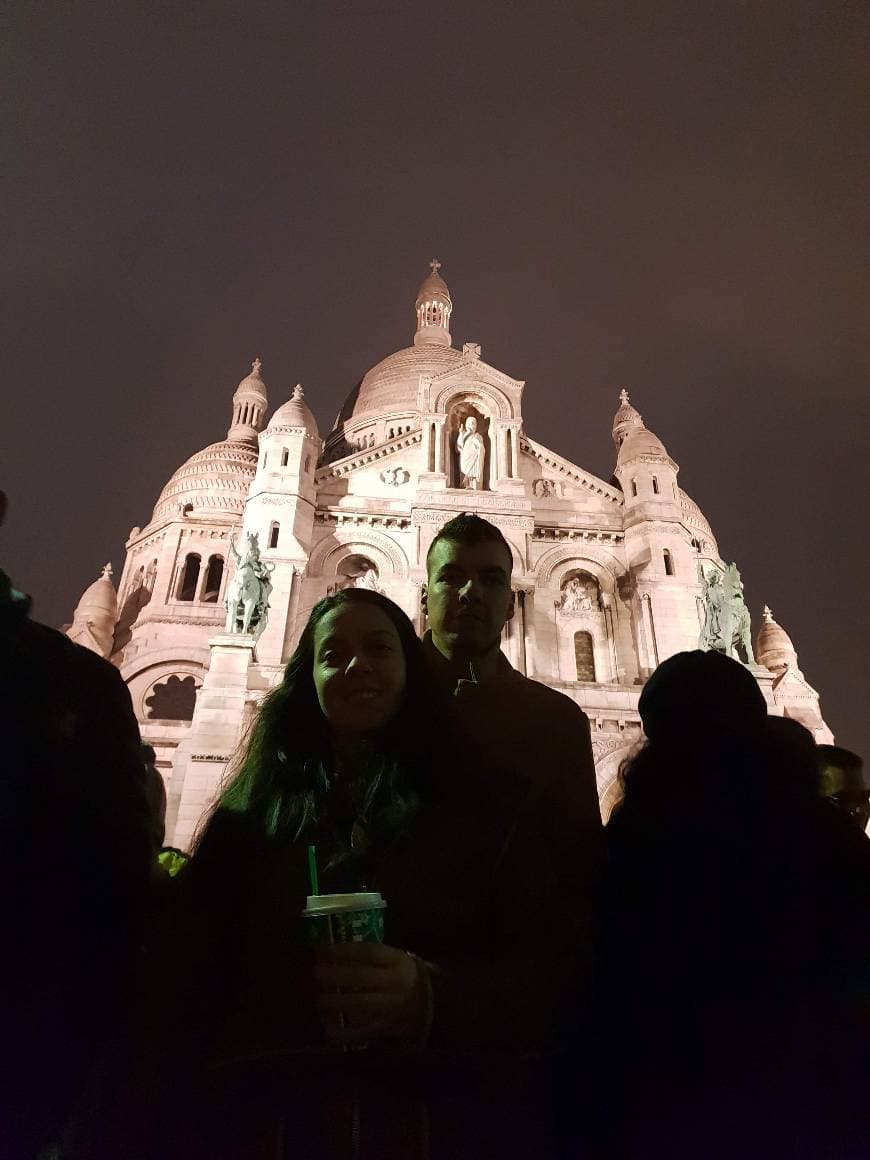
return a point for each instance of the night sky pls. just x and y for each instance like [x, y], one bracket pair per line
[668, 197]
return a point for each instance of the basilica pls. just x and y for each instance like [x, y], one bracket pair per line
[611, 576]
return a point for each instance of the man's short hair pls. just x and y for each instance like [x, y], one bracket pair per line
[470, 529]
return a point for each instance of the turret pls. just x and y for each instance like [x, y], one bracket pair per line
[433, 308]
[659, 556]
[96, 615]
[644, 470]
[249, 407]
[280, 508]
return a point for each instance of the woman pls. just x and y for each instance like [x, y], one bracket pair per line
[352, 753]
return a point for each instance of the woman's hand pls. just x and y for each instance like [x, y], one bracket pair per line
[367, 992]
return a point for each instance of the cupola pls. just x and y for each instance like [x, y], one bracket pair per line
[96, 615]
[433, 307]
[773, 647]
[249, 407]
[294, 413]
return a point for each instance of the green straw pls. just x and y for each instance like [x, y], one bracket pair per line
[312, 869]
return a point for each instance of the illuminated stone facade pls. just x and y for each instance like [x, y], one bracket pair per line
[606, 573]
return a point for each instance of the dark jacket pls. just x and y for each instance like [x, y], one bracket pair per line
[75, 858]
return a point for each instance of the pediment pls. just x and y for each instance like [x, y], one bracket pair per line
[557, 467]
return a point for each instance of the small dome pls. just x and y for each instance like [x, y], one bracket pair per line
[294, 413]
[773, 647]
[99, 600]
[640, 442]
[214, 480]
[433, 287]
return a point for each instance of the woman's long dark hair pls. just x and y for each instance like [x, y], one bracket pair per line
[280, 776]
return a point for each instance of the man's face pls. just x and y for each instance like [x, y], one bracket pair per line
[470, 424]
[468, 597]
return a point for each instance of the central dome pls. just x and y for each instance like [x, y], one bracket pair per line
[218, 477]
[393, 384]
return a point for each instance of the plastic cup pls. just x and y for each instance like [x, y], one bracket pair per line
[344, 918]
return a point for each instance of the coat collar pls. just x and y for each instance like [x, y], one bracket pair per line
[445, 674]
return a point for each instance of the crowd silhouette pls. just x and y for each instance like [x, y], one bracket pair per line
[692, 980]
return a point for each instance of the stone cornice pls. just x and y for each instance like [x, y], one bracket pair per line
[549, 535]
[398, 523]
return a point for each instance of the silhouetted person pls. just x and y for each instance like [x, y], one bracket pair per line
[736, 974]
[843, 784]
[75, 859]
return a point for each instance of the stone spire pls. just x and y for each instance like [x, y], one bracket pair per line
[96, 615]
[249, 407]
[773, 647]
[433, 307]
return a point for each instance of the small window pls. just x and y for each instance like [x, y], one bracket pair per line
[187, 509]
[285, 456]
[189, 577]
[213, 576]
[307, 466]
[584, 656]
[274, 531]
[655, 486]
[634, 487]
[669, 563]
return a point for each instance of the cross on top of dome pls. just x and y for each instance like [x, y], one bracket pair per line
[434, 265]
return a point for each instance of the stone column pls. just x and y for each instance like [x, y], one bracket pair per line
[201, 759]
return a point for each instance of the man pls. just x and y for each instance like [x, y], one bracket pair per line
[540, 740]
[842, 783]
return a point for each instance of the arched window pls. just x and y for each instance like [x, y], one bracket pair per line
[584, 656]
[634, 487]
[655, 485]
[669, 562]
[510, 453]
[285, 457]
[172, 700]
[189, 577]
[307, 465]
[274, 532]
[213, 576]
[187, 509]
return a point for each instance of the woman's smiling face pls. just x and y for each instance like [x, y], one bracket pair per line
[359, 668]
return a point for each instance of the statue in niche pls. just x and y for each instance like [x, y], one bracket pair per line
[727, 625]
[247, 598]
[472, 454]
[579, 595]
